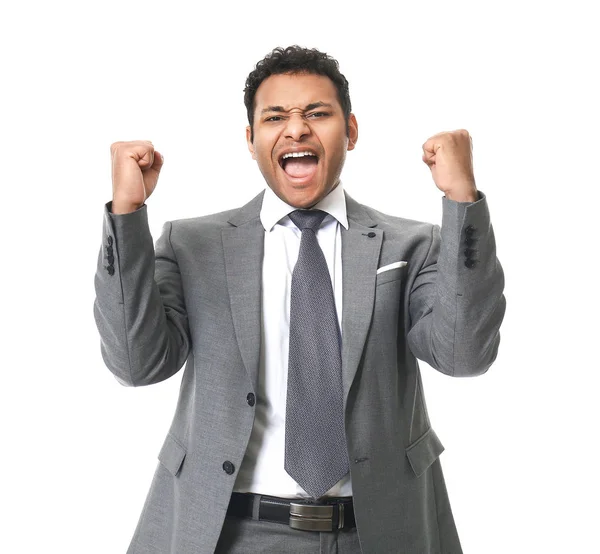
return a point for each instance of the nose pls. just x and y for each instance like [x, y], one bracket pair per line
[297, 127]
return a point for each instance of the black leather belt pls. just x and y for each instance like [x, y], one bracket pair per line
[328, 514]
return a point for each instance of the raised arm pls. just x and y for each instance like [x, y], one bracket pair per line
[456, 303]
[139, 307]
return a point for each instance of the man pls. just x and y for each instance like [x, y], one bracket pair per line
[301, 424]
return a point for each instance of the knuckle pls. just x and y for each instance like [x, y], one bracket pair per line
[120, 146]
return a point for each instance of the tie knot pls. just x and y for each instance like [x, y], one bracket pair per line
[307, 219]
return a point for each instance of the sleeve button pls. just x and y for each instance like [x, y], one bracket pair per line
[228, 467]
[470, 230]
[251, 399]
[111, 270]
[109, 239]
[470, 263]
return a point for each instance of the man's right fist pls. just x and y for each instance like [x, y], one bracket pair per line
[135, 169]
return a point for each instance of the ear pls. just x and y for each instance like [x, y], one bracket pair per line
[352, 131]
[250, 145]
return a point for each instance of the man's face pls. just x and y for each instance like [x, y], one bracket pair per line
[300, 114]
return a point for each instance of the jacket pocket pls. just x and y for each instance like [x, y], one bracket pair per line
[172, 455]
[390, 275]
[424, 451]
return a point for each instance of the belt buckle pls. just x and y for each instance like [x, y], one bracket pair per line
[311, 517]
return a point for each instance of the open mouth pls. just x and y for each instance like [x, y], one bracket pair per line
[299, 165]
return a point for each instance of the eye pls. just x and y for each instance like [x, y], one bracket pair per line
[274, 118]
[317, 115]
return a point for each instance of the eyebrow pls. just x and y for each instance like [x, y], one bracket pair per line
[306, 109]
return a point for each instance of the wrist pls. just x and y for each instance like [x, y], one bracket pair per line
[464, 195]
[119, 207]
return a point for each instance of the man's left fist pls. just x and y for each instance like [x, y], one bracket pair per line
[450, 158]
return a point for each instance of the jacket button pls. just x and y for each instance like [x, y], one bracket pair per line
[371, 235]
[109, 239]
[470, 263]
[228, 467]
[251, 399]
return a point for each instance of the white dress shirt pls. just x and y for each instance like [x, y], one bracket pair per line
[262, 470]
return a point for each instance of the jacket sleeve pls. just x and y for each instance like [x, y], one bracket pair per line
[456, 302]
[139, 307]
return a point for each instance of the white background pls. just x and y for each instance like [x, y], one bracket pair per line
[79, 450]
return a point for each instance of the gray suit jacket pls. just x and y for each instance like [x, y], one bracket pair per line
[196, 298]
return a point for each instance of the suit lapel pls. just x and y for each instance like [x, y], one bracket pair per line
[243, 245]
[361, 246]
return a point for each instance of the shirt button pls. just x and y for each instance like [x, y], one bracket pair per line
[251, 399]
[228, 467]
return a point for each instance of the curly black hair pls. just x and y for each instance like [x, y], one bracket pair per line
[295, 59]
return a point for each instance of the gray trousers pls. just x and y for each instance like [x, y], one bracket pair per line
[251, 536]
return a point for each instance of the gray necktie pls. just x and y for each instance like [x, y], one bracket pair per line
[316, 455]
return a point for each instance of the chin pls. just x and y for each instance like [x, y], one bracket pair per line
[302, 199]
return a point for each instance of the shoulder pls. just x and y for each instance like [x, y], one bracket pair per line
[212, 221]
[391, 225]
[215, 223]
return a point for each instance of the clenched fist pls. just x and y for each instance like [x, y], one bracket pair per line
[135, 169]
[449, 156]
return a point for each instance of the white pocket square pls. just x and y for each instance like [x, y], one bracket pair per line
[391, 266]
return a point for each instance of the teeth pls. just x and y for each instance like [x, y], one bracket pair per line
[296, 155]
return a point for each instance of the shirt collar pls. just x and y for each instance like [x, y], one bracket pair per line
[274, 209]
